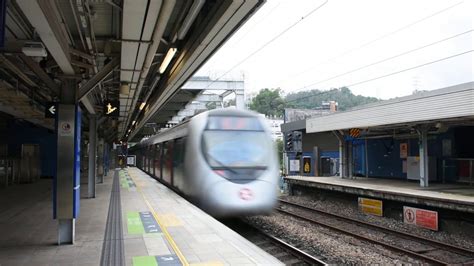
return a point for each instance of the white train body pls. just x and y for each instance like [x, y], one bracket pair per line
[224, 160]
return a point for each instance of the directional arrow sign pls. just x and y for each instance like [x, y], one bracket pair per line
[111, 108]
[50, 110]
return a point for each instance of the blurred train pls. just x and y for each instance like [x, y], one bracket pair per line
[223, 160]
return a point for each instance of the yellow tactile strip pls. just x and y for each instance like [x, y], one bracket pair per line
[163, 223]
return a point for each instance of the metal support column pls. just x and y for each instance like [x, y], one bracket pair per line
[239, 99]
[67, 179]
[100, 161]
[423, 157]
[366, 159]
[92, 155]
[342, 153]
[106, 158]
[350, 159]
[316, 160]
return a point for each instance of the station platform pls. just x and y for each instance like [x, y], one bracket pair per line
[447, 196]
[134, 220]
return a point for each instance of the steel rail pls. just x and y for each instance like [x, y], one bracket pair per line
[302, 255]
[386, 245]
[439, 244]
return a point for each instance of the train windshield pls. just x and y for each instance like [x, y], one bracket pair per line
[236, 142]
[231, 148]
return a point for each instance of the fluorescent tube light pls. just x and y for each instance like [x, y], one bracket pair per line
[169, 55]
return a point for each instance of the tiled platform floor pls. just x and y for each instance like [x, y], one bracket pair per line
[184, 234]
[28, 234]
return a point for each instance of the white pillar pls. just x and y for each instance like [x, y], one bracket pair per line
[239, 99]
[424, 157]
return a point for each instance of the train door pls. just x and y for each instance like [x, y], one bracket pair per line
[178, 163]
[153, 157]
[149, 159]
[168, 162]
[157, 162]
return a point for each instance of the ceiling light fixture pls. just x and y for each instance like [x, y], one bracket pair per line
[169, 55]
[142, 106]
[133, 122]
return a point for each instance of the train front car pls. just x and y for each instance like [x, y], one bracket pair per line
[234, 166]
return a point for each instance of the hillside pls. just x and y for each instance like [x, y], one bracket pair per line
[313, 98]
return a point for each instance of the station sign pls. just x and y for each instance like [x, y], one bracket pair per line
[420, 217]
[370, 206]
[112, 108]
[51, 110]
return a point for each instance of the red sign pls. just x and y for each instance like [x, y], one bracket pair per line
[420, 217]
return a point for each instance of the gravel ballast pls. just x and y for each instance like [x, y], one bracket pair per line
[337, 248]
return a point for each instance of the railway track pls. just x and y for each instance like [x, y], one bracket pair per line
[283, 251]
[428, 250]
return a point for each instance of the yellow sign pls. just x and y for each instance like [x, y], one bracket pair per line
[306, 165]
[371, 206]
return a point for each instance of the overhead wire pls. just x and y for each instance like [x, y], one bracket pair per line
[389, 58]
[383, 76]
[407, 26]
[270, 41]
[411, 68]
[357, 48]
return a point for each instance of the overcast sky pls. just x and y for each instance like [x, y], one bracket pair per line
[345, 35]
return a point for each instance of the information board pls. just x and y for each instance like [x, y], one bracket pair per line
[131, 160]
[371, 206]
[294, 165]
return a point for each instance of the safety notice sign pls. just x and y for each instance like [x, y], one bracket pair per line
[420, 217]
[371, 206]
[65, 129]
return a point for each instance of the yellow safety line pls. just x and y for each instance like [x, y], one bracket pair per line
[163, 228]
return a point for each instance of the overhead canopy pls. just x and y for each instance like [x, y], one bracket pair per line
[452, 103]
[117, 51]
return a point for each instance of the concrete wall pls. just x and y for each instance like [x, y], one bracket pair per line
[326, 141]
[21, 132]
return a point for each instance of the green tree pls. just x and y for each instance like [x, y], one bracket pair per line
[268, 102]
[279, 144]
[313, 98]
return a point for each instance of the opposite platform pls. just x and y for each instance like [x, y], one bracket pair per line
[447, 196]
